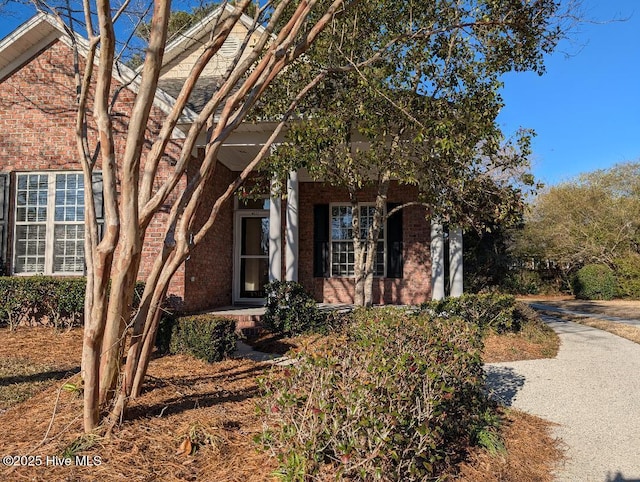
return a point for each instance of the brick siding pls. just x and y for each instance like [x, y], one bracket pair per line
[37, 133]
[413, 288]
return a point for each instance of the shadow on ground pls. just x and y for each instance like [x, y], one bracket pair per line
[39, 377]
[618, 477]
[503, 383]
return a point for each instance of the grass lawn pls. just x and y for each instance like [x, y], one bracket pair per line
[214, 405]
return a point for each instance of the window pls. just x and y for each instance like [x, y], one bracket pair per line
[342, 249]
[49, 231]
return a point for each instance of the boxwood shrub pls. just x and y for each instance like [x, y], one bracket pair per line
[489, 311]
[393, 396]
[207, 337]
[46, 300]
[594, 282]
[41, 300]
[627, 271]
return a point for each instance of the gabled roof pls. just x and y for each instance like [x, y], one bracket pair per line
[202, 92]
[192, 36]
[37, 33]
[27, 40]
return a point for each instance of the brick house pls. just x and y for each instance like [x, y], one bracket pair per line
[304, 239]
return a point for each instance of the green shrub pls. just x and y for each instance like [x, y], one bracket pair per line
[594, 282]
[393, 397]
[207, 337]
[166, 325]
[47, 300]
[489, 311]
[628, 276]
[523, 282]
[290, 310]
[41, 299]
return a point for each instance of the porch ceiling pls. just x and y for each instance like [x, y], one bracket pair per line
[244, 144]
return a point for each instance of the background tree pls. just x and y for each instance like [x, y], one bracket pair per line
[592, 219]
[410, 93]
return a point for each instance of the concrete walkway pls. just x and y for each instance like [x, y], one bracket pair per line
[616, 319]
[592, 391]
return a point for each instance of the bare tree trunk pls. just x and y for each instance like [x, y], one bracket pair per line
[128, 256]
[373, 235]
[102, 254]
[358, 252]
[108, 313]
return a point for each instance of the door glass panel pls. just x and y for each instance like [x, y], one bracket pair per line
[254, 274]
[255, 236]
[254, 256]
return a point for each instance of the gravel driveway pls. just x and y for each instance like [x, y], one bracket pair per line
[592, 391]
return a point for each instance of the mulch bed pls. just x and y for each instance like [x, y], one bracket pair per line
[530, 452]
[216, 404]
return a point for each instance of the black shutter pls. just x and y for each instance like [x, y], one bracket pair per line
[321, 240]
[4, 207]
[98, 199]
[394, 242]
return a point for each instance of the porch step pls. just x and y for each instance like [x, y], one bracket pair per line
[248, 318]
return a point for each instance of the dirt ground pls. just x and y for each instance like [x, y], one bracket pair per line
[214, 406]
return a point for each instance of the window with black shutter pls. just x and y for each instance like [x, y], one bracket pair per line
[394, 242]
[321, 240]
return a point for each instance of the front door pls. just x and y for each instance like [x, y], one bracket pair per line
[251, 267]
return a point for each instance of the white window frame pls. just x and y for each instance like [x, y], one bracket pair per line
[332, 240]
[50, 224]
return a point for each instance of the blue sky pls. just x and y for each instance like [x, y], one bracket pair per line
[585, 109]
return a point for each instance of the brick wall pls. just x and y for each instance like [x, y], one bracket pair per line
[37, 133]
[208, 272]
[413, 288]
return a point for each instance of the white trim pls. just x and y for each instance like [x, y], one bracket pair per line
[52, 29]
[49, 223]
[191, 36]
[238, 215]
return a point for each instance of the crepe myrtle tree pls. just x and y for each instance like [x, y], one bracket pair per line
[423, 113]
[488, 36]
[133, 191]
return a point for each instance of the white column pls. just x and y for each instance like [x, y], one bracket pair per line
[275, 236]
[291, 248]
[455, 262]
[437, 261]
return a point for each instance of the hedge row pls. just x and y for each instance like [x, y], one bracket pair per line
[45, 300]
[492, 311]
[393, 396]
[207, 337]
[41, 300]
